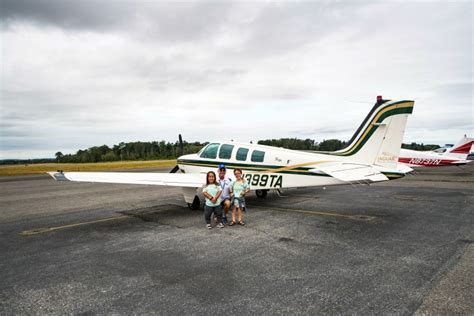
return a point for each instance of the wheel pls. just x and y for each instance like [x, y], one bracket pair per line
[261, 194]
[196, 204]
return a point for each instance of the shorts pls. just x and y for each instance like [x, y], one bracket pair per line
[226, 199]
[239, 202]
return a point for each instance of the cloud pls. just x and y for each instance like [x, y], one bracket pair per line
[166, 21]
[82, 73]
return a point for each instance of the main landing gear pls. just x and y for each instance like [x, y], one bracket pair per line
[196, 204]
[261, 194]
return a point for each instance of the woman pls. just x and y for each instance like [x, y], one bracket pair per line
[239, 188]
[212, 192]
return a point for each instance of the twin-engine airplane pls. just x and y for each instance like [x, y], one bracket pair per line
[372, 156]
[445, 156]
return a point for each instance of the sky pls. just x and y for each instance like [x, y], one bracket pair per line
[83, 73]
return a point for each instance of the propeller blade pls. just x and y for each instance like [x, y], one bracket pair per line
[175, 169]
[181, 148]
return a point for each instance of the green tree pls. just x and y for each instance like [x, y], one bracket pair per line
[331, 145]
[59, 155]
[415, 146]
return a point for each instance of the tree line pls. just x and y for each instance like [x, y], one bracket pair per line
[422, 147]
[166, 150]
[131, 151]
[304, 144]
[157, 150]
[328, 145]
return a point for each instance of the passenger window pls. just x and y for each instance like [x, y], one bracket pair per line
[210, 151]
[242, 154]
[226, 151]
[257, 156]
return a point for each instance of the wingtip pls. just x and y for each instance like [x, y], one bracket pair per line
[58, 175]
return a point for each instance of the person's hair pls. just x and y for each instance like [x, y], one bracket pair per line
[240, 170]
[207, 178]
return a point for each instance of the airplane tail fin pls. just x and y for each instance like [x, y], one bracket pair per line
[461, 149]
[378, 139]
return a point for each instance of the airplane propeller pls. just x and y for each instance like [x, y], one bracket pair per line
[181, 152]
[181, 148]
[175, 169]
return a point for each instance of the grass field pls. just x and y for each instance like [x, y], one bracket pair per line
[14, 170]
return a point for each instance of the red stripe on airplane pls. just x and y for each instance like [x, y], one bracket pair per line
[463, 149]
[427, 162]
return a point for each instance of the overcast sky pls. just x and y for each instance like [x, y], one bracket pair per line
[75, 74]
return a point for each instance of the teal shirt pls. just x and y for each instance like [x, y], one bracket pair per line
[239, 186]
[212, 190]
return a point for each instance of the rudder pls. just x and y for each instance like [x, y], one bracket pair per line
[379, 140]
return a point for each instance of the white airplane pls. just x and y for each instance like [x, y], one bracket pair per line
[371, 156]
[448, 155]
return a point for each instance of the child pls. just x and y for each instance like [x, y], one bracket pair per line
[239, 188]
[212, 192]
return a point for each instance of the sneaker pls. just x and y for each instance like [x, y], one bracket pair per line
[220, 225]
[208, 226]
[224, 220]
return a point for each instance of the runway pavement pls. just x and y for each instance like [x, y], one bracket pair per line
[404, 247]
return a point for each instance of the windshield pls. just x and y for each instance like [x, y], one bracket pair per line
[210, 151]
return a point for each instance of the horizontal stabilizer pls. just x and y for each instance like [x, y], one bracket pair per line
[403, 168]
[166, 179]
[351, 172]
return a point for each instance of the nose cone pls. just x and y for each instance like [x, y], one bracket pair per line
[187, 157]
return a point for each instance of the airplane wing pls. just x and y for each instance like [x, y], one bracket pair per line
[186, 180]
[351, 172]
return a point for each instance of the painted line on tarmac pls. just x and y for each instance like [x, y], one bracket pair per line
[356, 217]
[37, 231]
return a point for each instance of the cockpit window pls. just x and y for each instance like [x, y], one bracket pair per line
[442, 149]
[210, 151]
[258, 156]
[242, 154]
[226, 151]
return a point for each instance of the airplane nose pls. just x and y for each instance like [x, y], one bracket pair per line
[186, 157]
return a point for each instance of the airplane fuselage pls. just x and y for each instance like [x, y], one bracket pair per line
[415, 158]
[267, 167]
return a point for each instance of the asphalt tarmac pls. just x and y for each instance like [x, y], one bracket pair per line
[404, 247]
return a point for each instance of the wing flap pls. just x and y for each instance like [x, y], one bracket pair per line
[351, 172]
[165, 179]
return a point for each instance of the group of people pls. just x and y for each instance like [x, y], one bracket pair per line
[222, 195]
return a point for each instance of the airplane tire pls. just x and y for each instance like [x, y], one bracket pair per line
[196, 204]
[261, 194]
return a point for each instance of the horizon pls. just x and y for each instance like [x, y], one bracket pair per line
[74, 151]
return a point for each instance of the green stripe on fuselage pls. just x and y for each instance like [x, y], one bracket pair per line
[214, 164]
[297, 171]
